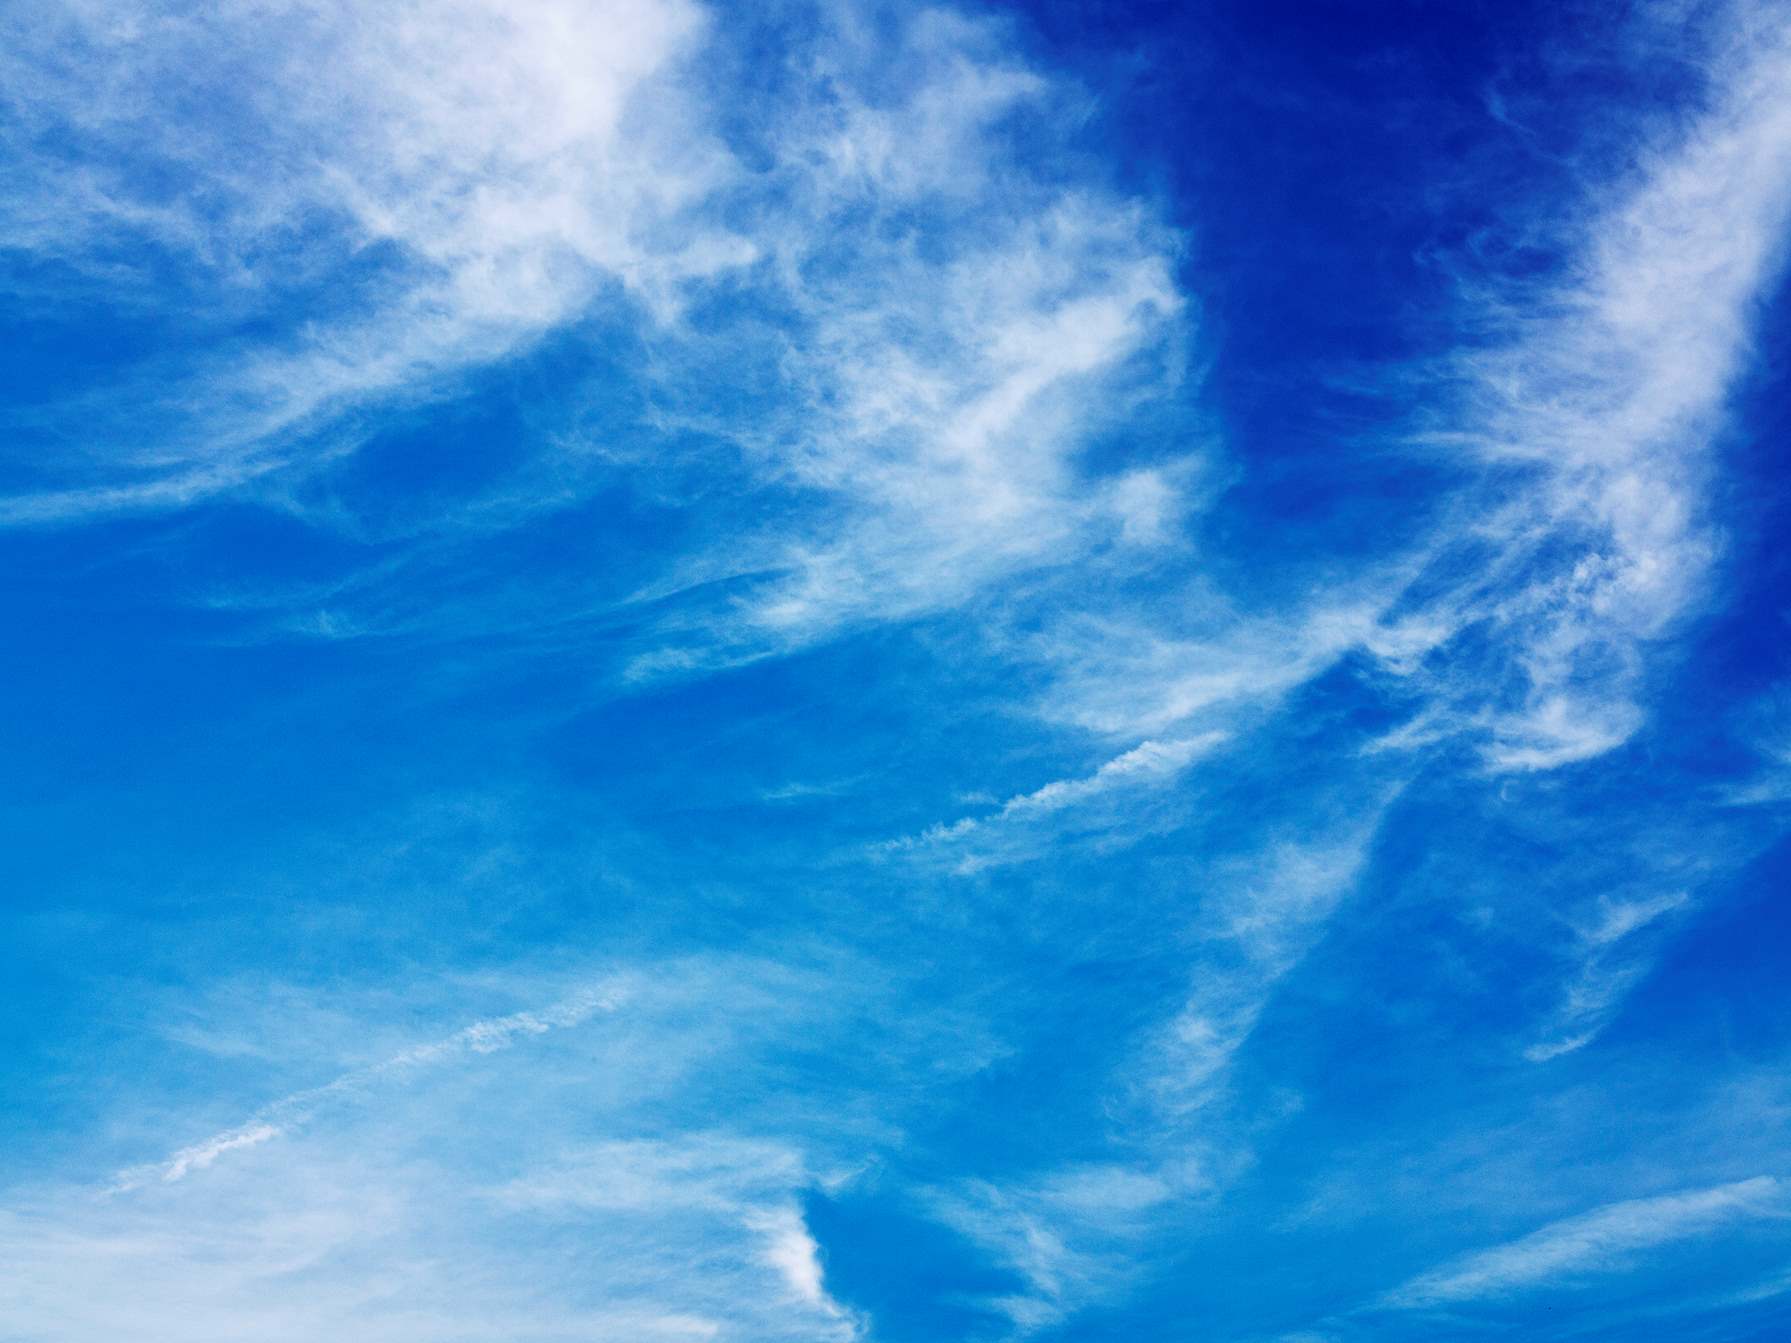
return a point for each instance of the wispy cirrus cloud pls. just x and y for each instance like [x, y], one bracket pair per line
[923, 342]
[1024, 825]
[1609, 968]
[440, 186]
[1075, 1234]
[752, 1184]
[1765, 726]
[1595, 409]
[1605, 1240]
[1591, 407]
[1599, 405]
[352, 1204]
[1253, 932]
[1071, 1235]
[281, 1117]
[362, 1231]
[880, 345]
[954, 325]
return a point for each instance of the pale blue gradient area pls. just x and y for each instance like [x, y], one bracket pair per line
[781, 673]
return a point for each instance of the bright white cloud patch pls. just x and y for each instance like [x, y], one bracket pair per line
[443, 184]
[1609, 402]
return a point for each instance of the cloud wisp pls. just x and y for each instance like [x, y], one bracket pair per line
[745, 679]
[444, 186]
[1603, 1241]
[283, 1116]
[1022, 826]
[1601, 415]
[1608, 970]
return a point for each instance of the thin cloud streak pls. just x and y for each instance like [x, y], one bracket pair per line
[1602, 1241]
[1011, 833]
[282, 1116]
[1608, 971]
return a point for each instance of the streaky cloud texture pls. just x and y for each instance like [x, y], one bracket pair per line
[872, 672]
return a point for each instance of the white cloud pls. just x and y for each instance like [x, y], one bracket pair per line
[1602, 1241]
[1257, 928]
[1766, 729]
[1591, 1000]
[960, 320]
[747, 1183]
[471, 1188]
[1606, 973]
[1023, 826]
[792, 1251]
[1148, 761]
[1619, 918]
[363, 1233]
[281, 1117]
[1191, 658]
[1595, 412]
[1070, 1235]
[1607, 407]
[200, 1155]
[444, 181]
[946, 321]
[1078, 1233]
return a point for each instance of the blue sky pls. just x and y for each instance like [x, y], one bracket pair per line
[1068, 672]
